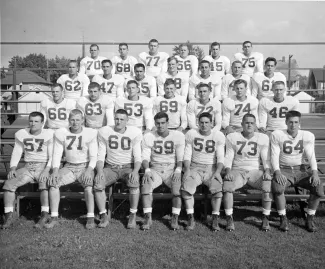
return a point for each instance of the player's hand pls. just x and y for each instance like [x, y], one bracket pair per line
[12, 174]
[229, 130]
[228, 176]
[218, 177]
[314, 180]
[177, 176]
[180, 129]
[86, 177]
[44, 176]
[279, 178]
[187, 172]
[54, 178]
[267, 176]
[99, 176]
[134, 177]
[146, 177]
[262, 130]
[146, 131]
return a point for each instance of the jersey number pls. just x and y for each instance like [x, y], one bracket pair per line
[145, 87]
[61, 115]
[186, 65]
[218, 66]
[253, 149]
[69, 87]
[282, 112]
[109, 87]
[159, 147]
[199, 145]
[209, 109]
[178, 83]
[96, 64]
[93, 109]
[246, 109]
[287, 146]
[125, 142]
[172, 106]
[29, 146]
[251, 62]
[120, 67]
[265, 85]
[129, 109]
[157, 58]
[73, 138]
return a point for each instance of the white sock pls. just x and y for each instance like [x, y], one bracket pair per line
[176, 211]
[282, 212]
[133, 211]
[102, 212]
[90, 215]
[147, 210]
[189, 211]
[311, 211]
[266, 212]
[54, 214]
[9, 209]
[229, 211]
[216, 213]
[45, 209]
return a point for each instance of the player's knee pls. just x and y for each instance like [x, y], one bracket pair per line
[176, 189]
[216, 194]
[228, 187]
[146, 188]
[42, 186]
[88, 189]
[277, 188]
[134, 190]
[8, 186]
[186, 195]
[132, 184]
[267, 197]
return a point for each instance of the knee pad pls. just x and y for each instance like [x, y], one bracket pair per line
[134, 190]
[267, 197]
[216, 194]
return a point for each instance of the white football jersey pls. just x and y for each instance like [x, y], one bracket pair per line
[175, 109]
[74, 88]
[181, 81]
[57, 115]
[112, 87]
[252, 64]
[227, 85]
[98, 113]
[234, 111]
[213, 82]
[36, 148]
[140, 112]
[78, 148]
[124, 67]
[119, 149]
[288, 151]
[91, 67]
[195, 108]
[154, 64]
[262, 85]
[272, 115]
[203, 149]
[218, 67]
[157, 149]
[188, 66]
[243, 153]
[147, 86]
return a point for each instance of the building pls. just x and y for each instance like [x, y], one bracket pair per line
[316, 79]
[305, 107]
[283, 67]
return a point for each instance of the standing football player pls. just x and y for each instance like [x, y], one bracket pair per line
[124, 63]
[187, 64]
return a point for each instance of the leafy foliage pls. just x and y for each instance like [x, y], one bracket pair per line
[194, 50]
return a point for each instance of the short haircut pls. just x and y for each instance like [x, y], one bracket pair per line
[169, 81]
[107, 61]
[123, 44]
[205, 115]
[93, 85]
[278, 82]
[94, 45]
[213, 44]
[139, 65]
[55, 85]
[75, 112]
[36, 114]
[248, 115]
[153, 41]
[185, 45]
[73, 61]
[161, 115]
[121, 111]
[204, 62]
[171, 59]
[293, 113]
[247, 42]
[132, 81]
[201, 85]
[236, 62]
[270, 59]
[240, 81]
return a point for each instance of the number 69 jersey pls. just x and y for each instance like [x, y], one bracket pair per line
[120, 149]
[78, 147]
[203, 149]
[243, 153]
[287, 150]
[74, 88]
[157, 149]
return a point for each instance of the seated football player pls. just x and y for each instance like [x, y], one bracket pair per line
[155, 61]
[162, 158]
[173, 105]
[262, 81]
[206, 78]
[74, 84]
[139, 108]
[236, 107]
[204, 104]
[187, 64]
[181, 79]
[110, 84]
[244, 153]
[272, 110]
[36, 144]
[121, 144]
[98, 108]
[203, 163]
[79, 145]
[287, 149]
[56, 109]
[124, 63]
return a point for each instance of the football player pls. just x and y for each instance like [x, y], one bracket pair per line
[155, 61]
[204, 104]
[74, 84]
[124, 63]
[110, 84]
[227, 85]
[139, 108]
[98, 108]
[79, 144]
[252, 61]
[287, 149]
[187, 64]
[164, 150]
[147, 84]
[121, 145]
[91, 66]
[203, 163]
[244, 152]
[205, 77]
[56, 109]
[272, 111]
[219, 64]
[236, 107]
[36, 144]
[181, 79]
[262, 81]
[173, 105]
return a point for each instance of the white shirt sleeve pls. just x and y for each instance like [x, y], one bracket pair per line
[101, 147]
[50, 152]
[230, 154]
[265, 153]
[146, 148]
[16, 153]
[226, 116]
[57, 152]
[153, 89]
[309, 146]
[183, 116]
[191, 117]
[275, 153]
[93, 151]
[260, 64]
[262, 113]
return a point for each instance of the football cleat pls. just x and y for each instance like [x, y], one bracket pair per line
[103, 221]
[44, 218]
[215, 223]
[132, 221]
[190, 222]
[284, 225]
[147, 221]
[265, 223]
[174, 223]
[53, 222]
[90, 223]
[310, 224]
[8, 221]
[230, 223]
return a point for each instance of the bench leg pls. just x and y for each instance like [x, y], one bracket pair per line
[110, 202]
[302, 204]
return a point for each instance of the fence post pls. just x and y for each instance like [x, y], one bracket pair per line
[15, 93]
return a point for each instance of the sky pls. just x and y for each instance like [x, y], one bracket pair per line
[166, 20]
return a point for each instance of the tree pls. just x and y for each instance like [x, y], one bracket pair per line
[194, 50]
[58, 62]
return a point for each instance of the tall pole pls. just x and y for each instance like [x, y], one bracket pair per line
[289, 73]
[83, 52]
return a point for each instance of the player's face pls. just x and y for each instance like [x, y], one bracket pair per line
[120, 121]
[172, 66]
[184, 52]
[153, 47]
[94, 94]
[73, 68]
[170, 90]
[293, 124]
[123, 50]
[107, 68]
[161, 125]
[76, 121]
[270, 67]
[240, 90]
[249, 125]
[279, 91]
[57, 93]
[215, 50]
[139, 73]
[205, 69]
[35, 123]
[204, 93]
[94, 52]
[205, 124]
[237, 69]
[132, 89]
[247, 48]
